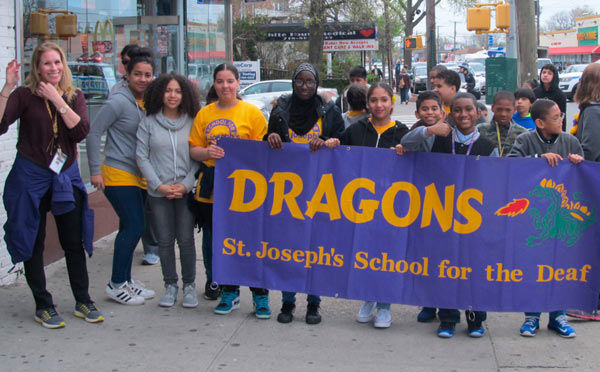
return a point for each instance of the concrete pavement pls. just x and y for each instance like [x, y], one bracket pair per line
[150, 338]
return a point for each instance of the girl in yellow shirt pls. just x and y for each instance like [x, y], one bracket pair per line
[227, 117]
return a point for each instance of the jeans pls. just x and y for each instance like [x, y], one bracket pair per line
[69, 235]
[453, 316]
[176, 221]
[128, 202]
[236, 288]
[291, 297]
[551, 315]
[207, 252]
[149, 240]
[404, 94]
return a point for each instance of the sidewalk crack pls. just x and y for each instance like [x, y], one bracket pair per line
[227, 343]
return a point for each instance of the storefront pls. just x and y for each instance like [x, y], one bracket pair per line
[574, 55]
[190, 37]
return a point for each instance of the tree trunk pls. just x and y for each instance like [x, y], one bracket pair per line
[316, 27]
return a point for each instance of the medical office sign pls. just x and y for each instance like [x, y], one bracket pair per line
[587, 36]
[339, 37]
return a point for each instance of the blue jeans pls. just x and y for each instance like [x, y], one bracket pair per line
[128, 202]
[291, 297]
[552, 314]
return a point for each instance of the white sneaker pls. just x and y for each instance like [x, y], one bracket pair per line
[190, 297]
[365, 314]
[170, 296]
[140, 289]
[383, 319]
[123, 294]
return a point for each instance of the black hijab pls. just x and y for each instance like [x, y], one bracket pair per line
[304, 113]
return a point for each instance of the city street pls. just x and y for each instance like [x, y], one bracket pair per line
[151, 338]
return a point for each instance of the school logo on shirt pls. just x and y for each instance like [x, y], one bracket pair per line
[315, 132]
[221, 128]
[563, 219]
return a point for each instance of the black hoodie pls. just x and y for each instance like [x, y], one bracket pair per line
[554, 93]
[362, 133]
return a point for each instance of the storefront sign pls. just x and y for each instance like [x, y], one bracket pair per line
[350, 45]
[104, 33]
[249, 72]
[340, 31]
[424, 229]
[587, 36]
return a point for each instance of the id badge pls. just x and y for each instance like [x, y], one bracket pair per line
[58, 161]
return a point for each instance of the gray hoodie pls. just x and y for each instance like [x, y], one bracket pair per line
[163, 152]
[119, 117]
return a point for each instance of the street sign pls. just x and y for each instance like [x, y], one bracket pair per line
[490, 40]
[253, 1]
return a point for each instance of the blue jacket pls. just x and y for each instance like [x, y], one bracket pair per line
[25, 186]
[526, 122]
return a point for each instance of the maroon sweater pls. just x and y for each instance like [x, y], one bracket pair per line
[35, 129]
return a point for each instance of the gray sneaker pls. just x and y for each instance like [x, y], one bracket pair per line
[170, 296]
[190, 297]
[49, 318]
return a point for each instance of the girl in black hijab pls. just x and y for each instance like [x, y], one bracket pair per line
[304, 117]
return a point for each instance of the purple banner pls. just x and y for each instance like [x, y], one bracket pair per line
[421, 229]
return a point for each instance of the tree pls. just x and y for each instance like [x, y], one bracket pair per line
[566, 20]
[246, 35]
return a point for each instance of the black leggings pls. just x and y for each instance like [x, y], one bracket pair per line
[70, 237]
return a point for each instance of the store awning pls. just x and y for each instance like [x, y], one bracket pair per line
[574, 50]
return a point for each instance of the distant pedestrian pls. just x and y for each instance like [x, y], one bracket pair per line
[245, 121]
[404, 85]
[163, 156]
[45, 177]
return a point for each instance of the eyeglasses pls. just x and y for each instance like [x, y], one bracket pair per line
[309, 83]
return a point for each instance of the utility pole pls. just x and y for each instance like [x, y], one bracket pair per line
[511, 37]
[430, 25]
[537, 14]
[454, 46]
[524, 10]
[387, 55]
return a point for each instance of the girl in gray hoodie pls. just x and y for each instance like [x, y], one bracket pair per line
[163, 156]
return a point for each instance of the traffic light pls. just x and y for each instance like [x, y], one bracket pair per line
[411, 43]
[503, 16]
[478, 19]
[414, 42]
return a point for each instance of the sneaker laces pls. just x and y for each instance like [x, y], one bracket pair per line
[51, 312]
[562, 320]
[530, 321]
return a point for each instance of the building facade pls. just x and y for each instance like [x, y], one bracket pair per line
[190, 37]
[579, 45]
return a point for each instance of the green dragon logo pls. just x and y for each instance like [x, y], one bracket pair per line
[564, 219]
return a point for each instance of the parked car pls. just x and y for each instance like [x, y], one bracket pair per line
[570, 78]
[478, 71]
[266, 91]
[419, 78]
[94, 79]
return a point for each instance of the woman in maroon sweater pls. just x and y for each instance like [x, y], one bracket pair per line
[45, 177]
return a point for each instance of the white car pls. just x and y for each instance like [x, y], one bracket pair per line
[267, 91]
[478, 71]
[569, 79]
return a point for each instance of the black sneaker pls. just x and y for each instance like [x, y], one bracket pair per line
[287, 312]
[49, 318]
[212, 292]
[88, 312]
[313, 315]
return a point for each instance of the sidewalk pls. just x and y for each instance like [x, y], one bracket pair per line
[150, 338]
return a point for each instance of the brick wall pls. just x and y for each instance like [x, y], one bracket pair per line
[8, 141]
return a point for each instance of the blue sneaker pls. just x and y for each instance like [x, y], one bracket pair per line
[560, 325]
[446, 330]
[150, 259]
[530, 326]
[476, 329]
[261, 306]
[426, 315]
[229, 301]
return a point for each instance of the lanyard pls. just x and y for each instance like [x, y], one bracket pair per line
[455, 138]
[500, 148]
[54, 142]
